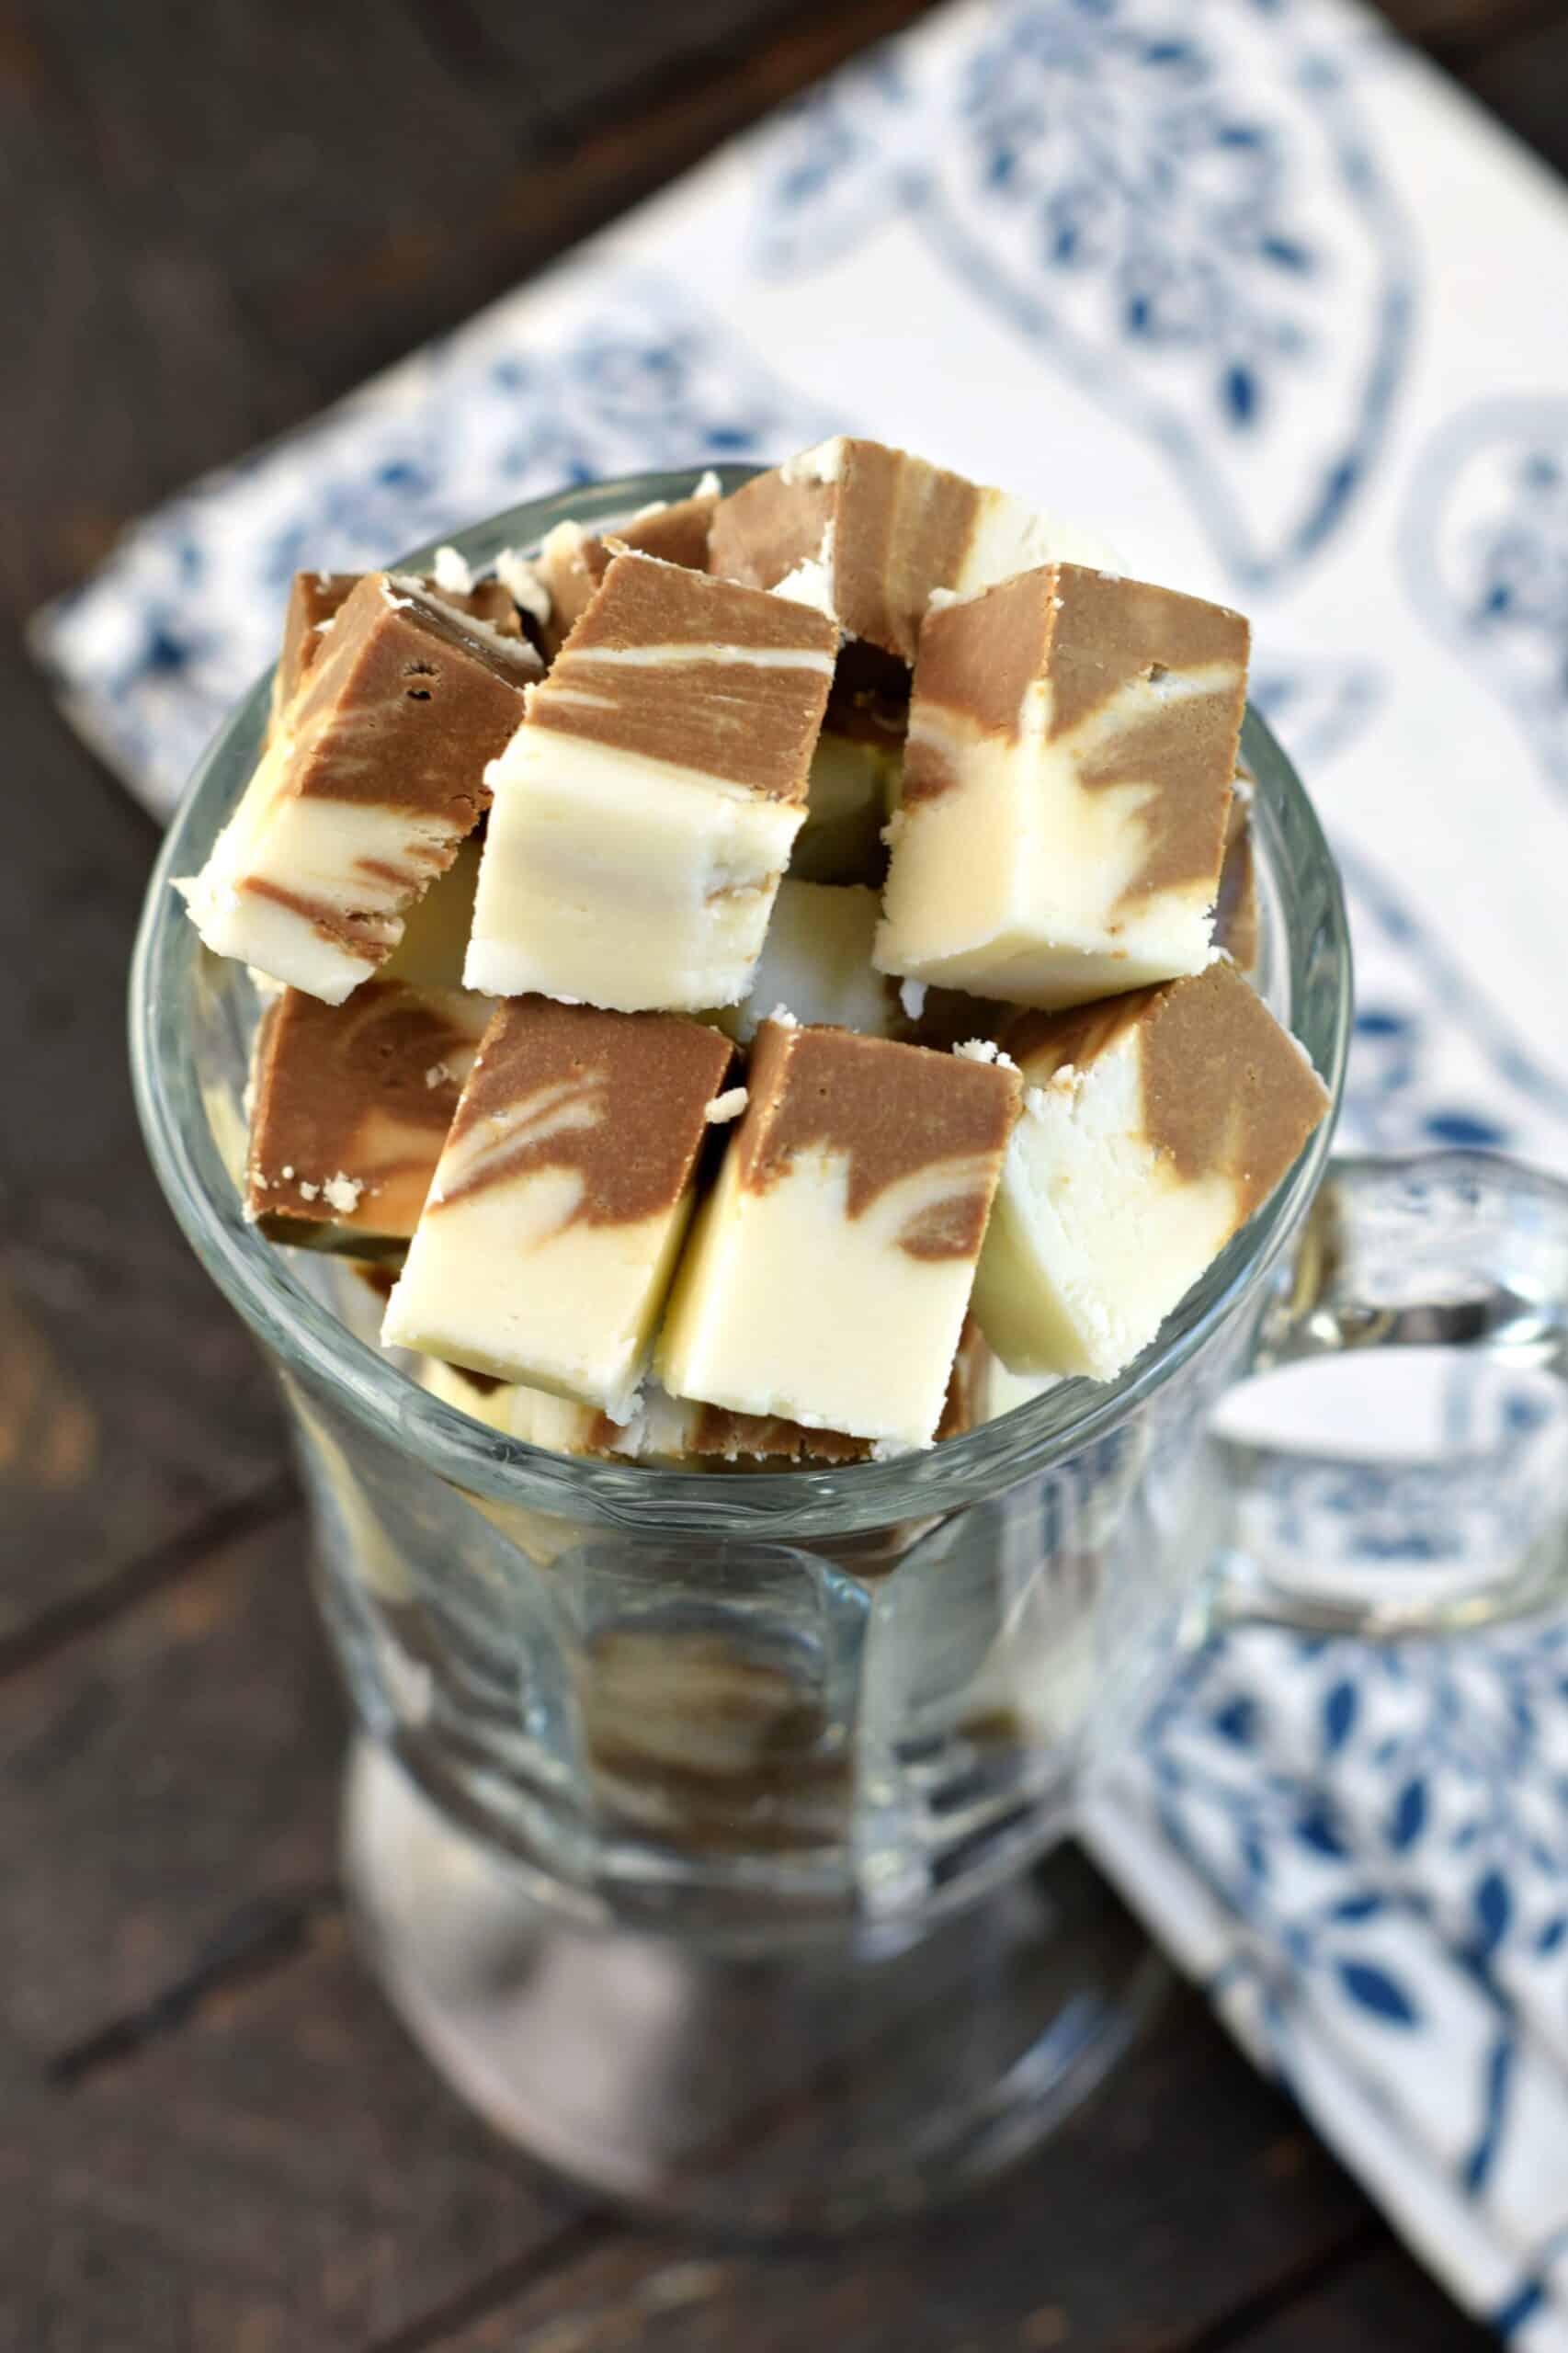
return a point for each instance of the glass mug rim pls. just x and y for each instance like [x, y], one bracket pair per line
[807, 1503]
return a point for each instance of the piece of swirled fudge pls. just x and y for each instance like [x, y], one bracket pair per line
[868, 532]
[644, 810]
[828, 1272]
[561, 1198]
[350, 1105]
[1066, 784]
[573, 560]
[374, 776]
[1154, 1125]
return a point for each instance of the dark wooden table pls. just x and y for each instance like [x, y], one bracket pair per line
[211, 2133]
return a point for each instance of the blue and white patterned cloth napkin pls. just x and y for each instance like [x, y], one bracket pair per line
[1247, 285]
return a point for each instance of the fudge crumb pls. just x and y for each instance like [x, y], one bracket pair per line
[984, 1049]
[911, 997]
[725, 1107]
[452, 574]
[825, 463]
[437, 1074]
[343, 1193]
[309, 1190]
[811, 583]
[784, 1018]
[286, 1172]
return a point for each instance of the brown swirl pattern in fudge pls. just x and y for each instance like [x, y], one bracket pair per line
[618, 1098]
[695, 673]
[317, 597]
[899, 529]
[572, 562]
[892, 1112]
[1091, 637]
[363, 1091]
[1224, 1090]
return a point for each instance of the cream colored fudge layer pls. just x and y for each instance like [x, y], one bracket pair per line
[828, 1276]
[645, 810]
[816, 962]
[1066, 783]
[878, 531]
[561, 1199]
[1153, 1126]
[374, 776]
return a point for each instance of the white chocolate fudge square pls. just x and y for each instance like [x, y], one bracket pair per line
[561, 1199]
[879, 531]
[1153, 1126]
[1066, 783]
[816, 963]
[645, 810]
[372, 777]
[828, 1272]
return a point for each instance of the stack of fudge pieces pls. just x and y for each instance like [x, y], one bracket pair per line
[758, 969]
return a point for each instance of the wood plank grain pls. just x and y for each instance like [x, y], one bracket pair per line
[311, 193]
[131, 1404]
[1187, 2186]
[167, 1792]
[1382, 2302]
[283, 2174]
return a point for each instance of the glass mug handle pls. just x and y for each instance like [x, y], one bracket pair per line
[1459, 1251]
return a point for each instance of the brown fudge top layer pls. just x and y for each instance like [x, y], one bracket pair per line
[316, 598]
[1092, 635]
[892, 1111]
[1236, 909]
[619, 1097]
[667, 664]
[901, 528]
[364, 1090]
[1225, 1090]
[405, 706]
[573, 568]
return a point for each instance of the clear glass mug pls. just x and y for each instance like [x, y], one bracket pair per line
[707, 1830]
